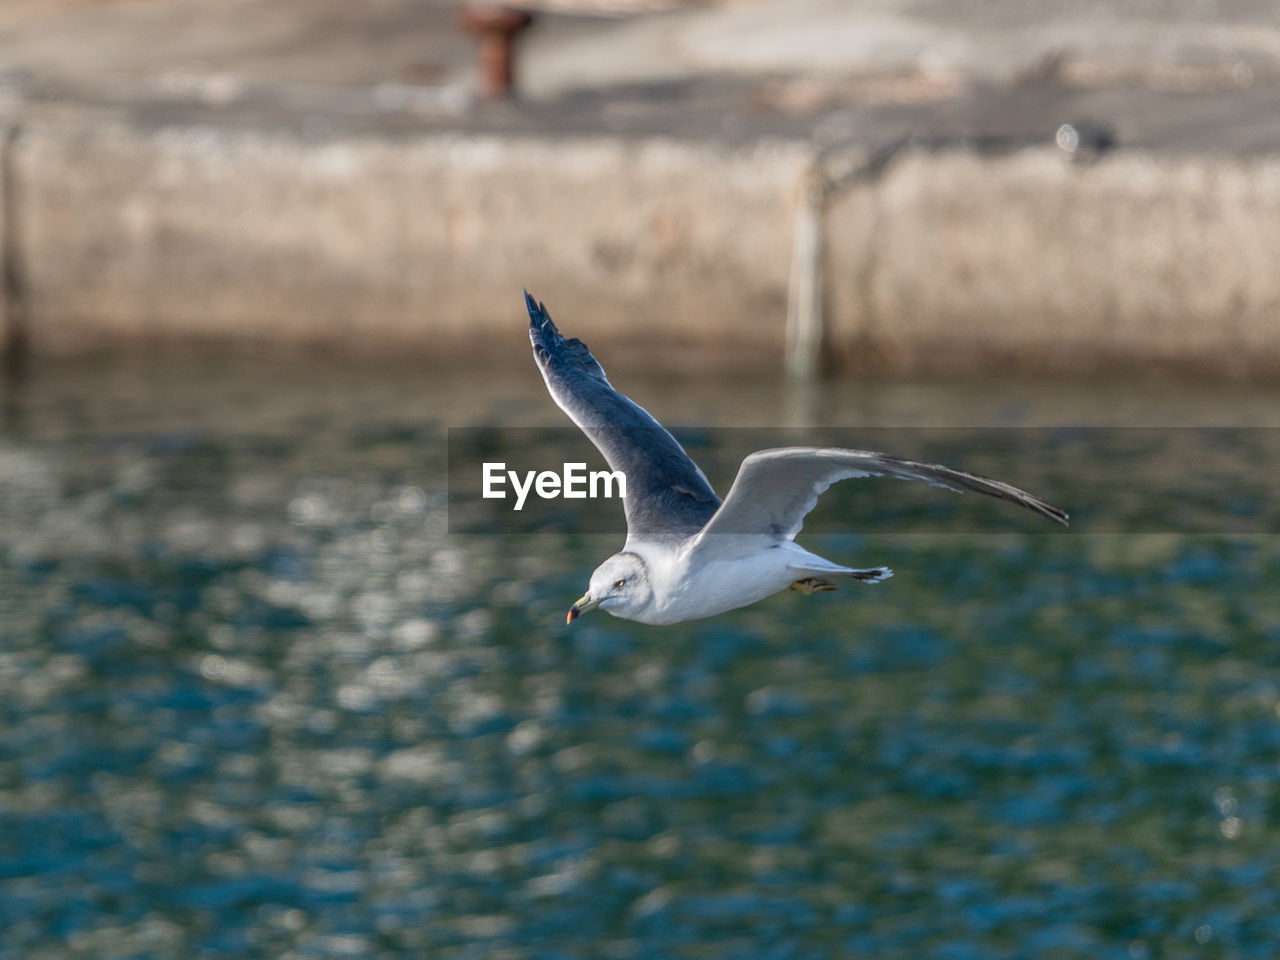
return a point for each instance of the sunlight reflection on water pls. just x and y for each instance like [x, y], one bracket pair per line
[256, 702]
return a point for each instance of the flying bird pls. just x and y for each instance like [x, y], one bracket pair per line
[689, 554]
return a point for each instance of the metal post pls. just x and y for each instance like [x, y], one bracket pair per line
[496, 28]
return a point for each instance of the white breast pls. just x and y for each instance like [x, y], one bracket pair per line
[685, 591]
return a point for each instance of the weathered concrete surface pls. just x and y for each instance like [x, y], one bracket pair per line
[423, 240]
[949, 260]
[956, 260]
[312, 171]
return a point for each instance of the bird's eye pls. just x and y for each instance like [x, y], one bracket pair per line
[619, 583]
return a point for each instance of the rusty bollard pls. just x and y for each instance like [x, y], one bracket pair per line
[496, 28]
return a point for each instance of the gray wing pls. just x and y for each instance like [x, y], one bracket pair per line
[666, 492]
[776, 489]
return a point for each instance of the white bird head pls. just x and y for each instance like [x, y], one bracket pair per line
[620, 586]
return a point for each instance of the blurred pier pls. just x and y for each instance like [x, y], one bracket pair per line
[1071, 187]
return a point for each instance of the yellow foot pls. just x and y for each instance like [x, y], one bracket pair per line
[811, 585]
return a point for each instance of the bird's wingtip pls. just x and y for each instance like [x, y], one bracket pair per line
[538, 316]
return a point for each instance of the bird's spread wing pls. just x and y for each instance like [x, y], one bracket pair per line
[775, 489]
[666, 492]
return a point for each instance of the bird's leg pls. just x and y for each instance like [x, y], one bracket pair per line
[811, 585]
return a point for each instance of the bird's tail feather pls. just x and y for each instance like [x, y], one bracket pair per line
[874, 575]
[820, 569]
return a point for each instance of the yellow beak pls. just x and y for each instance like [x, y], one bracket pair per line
[581, 606]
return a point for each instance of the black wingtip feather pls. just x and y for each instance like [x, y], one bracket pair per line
[542, 332]
[552, 348]
[537, 311]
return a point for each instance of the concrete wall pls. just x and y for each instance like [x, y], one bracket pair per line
[956, 259]
[423, 241]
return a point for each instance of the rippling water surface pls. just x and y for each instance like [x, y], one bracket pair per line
[256, 702]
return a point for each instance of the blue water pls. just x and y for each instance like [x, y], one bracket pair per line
[256, 702]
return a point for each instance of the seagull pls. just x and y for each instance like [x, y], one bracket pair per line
[688, 554]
